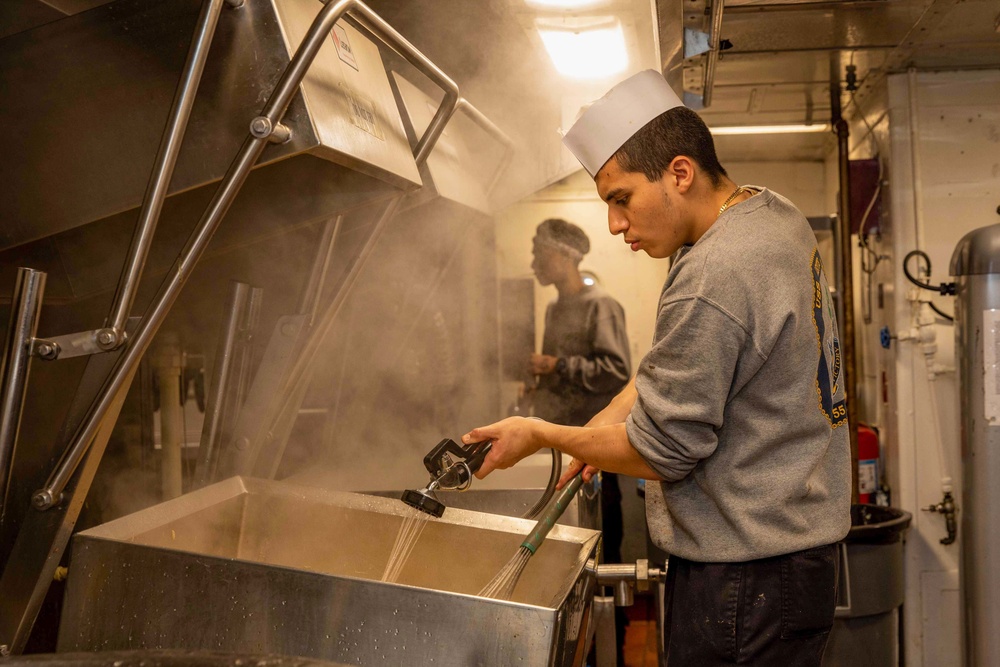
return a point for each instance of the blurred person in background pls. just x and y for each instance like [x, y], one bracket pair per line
[584, 361]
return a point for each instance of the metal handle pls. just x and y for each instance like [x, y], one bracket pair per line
[235, 176]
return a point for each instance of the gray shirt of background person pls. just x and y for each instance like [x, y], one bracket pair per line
[587, 329]
[752, 445]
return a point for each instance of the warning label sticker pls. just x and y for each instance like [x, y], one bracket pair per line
[343, 44]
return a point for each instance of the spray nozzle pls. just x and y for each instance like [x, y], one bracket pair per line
[452, 474]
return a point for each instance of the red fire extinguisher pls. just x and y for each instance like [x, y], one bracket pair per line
[868, 464]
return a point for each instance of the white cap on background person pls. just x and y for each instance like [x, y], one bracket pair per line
[612, 120]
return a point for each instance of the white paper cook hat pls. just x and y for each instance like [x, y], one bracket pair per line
[612, 120]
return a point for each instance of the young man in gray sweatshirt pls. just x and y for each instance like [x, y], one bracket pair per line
[737, 413]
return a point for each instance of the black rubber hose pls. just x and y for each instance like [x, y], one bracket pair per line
[906, 269]
[940, 290]
[941, 313]
[550, 488]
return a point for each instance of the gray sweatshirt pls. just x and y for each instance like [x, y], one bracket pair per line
[586, 329]
[740, 403]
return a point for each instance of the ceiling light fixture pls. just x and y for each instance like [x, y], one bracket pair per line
[770, 129]
[584, 48]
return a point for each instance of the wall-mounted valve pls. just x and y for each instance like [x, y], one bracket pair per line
[885, 337]
[948, 509]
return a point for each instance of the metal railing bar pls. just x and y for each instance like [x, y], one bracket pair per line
[163, 171]
[24, 314]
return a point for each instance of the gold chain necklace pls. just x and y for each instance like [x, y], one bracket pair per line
[736, 193]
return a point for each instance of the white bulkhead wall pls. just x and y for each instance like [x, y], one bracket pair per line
[939, 136]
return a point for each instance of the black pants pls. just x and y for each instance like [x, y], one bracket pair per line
[775, 611]
[611, 517]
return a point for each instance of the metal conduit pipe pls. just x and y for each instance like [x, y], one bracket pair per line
[165, 298]
[235, 176]
[843, 239]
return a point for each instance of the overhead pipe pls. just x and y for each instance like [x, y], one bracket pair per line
[846, 288]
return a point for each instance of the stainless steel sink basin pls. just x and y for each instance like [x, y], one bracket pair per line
[267, 567]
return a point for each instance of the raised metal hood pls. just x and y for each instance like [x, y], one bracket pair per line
[86, 99]
[468, 157]
[267, 567]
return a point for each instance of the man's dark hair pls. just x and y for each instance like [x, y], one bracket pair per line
[677, 131]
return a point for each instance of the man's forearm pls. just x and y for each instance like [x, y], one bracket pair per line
[618, 409]
[604, 447]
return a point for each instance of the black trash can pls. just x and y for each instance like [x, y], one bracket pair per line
[870, 590]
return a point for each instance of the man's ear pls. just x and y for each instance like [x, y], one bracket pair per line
[681, 171]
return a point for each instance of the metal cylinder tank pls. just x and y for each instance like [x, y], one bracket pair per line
[976, 267]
